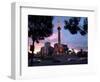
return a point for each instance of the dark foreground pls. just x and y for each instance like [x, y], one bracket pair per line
[57, 60]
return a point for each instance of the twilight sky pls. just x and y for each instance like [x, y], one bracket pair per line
[76, 41]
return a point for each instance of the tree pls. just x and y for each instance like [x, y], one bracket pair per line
[73, 25]
[39, 27]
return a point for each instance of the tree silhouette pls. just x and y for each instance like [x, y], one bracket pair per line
[39, 27]
[73, 25]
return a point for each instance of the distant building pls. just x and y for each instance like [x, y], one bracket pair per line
[47, 50]
[65, 47]
[60, 49]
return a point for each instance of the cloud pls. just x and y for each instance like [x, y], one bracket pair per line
[52, 38]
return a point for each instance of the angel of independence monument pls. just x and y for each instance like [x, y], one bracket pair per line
[58, 47]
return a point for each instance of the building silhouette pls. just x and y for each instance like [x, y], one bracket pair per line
[47, 49]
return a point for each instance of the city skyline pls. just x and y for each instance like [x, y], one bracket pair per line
[76, 41]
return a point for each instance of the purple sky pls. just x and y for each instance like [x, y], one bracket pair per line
[76, 41]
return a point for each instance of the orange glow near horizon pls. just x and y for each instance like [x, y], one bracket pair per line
[38, 48]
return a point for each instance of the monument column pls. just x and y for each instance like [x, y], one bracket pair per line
[59, 35]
